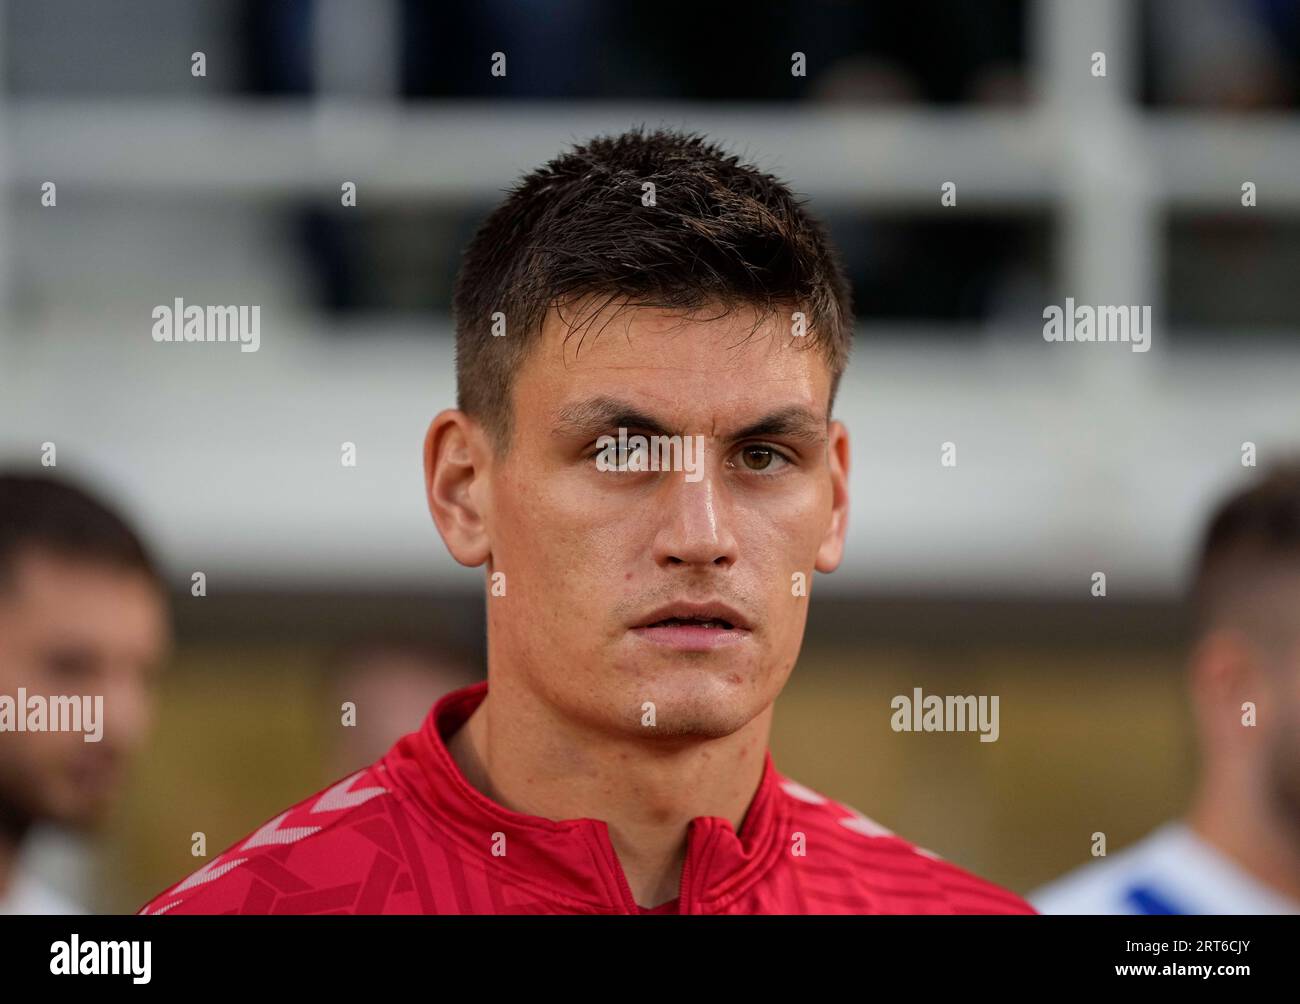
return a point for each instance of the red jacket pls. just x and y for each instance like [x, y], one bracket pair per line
[410, 835]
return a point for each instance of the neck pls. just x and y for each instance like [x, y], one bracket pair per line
[1239, 819]
[518, 752]
[13, 828]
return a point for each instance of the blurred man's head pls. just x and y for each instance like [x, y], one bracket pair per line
[390, 683]
[1246, 622]
[649, 283]
[82, 612]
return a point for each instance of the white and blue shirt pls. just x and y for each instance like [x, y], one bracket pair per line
[1170, 871]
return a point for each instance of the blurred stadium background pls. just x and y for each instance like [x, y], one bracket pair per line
[1072, 459]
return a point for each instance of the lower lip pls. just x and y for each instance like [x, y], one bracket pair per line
[690, 637]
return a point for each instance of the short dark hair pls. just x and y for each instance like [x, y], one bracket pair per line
[46, 514]
[721, 233]
[1253, 536]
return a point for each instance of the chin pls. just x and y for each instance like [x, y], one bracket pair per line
[700, 703]
[82, 814]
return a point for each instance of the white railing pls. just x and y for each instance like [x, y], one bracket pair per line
[1069, 459]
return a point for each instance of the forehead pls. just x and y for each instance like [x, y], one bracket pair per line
[710, 362]
[82, 599]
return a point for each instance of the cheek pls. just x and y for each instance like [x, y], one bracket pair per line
[45, 757]
[560, 526]
[552, 563]
[787, 532]
[782, 542]
[18, 645]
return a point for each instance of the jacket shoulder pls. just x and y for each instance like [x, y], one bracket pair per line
[864, 867]
[328, 853]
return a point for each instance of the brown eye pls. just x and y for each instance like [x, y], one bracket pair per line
[762, 459]
[69, 664]
[758, 458]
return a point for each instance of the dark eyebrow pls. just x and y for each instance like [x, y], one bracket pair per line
[794, 422]
[600, 414]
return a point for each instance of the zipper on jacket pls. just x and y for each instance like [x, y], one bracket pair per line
[694, 848]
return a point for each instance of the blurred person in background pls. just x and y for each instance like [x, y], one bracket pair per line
[82, 613]
[1230, 54]
[1237, 850]
[391, 683]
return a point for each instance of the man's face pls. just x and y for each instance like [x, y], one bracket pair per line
[1279, 717]
[69, 627]
[1251, 654]
[592, 557]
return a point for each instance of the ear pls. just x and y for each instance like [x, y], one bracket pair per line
[456, 486]
[837, 455]
[1224, 673]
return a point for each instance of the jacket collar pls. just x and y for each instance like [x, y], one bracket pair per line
[572, 861]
